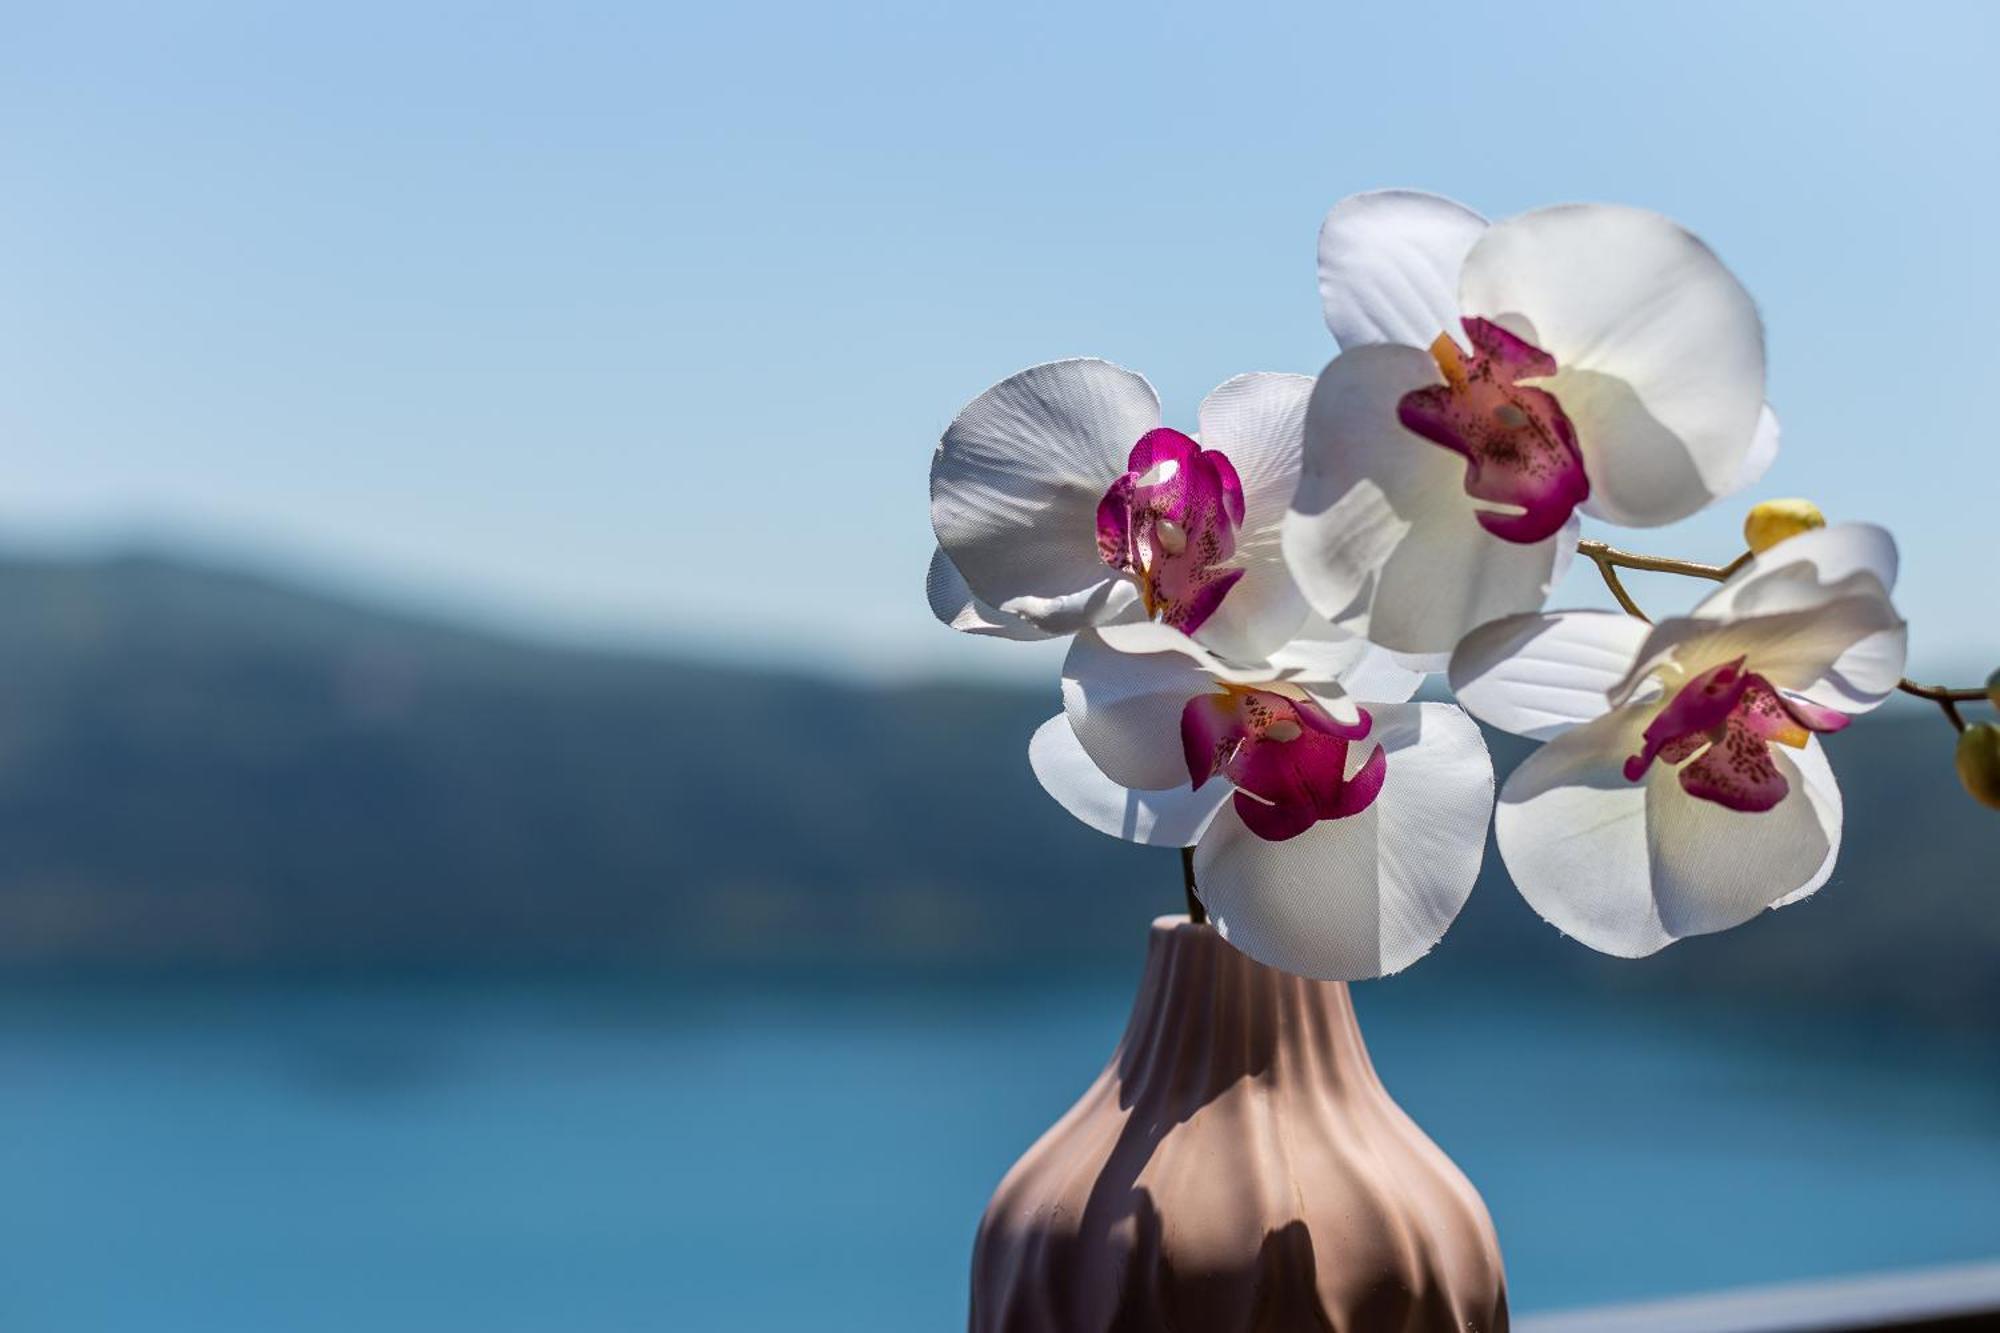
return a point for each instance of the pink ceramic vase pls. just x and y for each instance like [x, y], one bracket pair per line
[1237, 1167]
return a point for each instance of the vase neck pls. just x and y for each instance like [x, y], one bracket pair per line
[1207, 1016]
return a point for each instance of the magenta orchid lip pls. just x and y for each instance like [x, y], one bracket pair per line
[1726, 719]
[1170, 524]
[1519, 447]
[1286, 758]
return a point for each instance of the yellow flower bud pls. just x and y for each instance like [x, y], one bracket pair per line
[1979, 762]
[1774, 520]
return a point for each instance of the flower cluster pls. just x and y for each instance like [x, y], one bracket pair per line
[1252, 607]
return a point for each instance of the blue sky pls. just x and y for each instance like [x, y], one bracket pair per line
[639, 322]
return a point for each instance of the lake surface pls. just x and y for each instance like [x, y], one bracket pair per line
[582, 1156]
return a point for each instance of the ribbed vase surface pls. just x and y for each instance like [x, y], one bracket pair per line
[1237, 1167]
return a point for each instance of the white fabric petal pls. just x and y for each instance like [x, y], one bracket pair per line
[1660, 349]
[1361, 669]
[1848, 654]
[1258, 422]
[1630, 867]
[1382, 537]
[1763, 453]
[1540, 675]
[1149, 636]
[1154, 818]
[1824, 793]
[1813, 613]
[1326, 663]
[953, 603]
[1808, 570]
[1388, 266]
[1370, 894]
[1015, 484]
[1126, 708]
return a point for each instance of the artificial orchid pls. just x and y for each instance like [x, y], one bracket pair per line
[1253, 604]
[1610, 366]
[1060, 502]
[1337, 828]
[1683, 790]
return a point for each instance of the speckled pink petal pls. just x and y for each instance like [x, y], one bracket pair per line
[1726, 719]
[1292, 771]
[1186, 600]
[1227, 484]
[1519, 447]
[1736, 772]
[1287, 759]
[1271, 821]
[1357, 793]
[1812, 716]
[1679, 750]
[1322, 721]
[1212, 727]
[1772, 717]
[1170, 522]
[1114, 526]
[1696, 709]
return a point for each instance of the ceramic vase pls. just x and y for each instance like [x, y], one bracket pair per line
[1237, 1167]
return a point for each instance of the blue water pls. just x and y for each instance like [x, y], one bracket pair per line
[577, 1157]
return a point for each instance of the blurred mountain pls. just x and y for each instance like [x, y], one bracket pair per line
[202, 769]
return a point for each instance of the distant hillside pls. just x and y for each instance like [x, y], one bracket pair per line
[208, 769]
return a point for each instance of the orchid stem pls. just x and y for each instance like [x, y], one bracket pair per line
[1945, 697]
[1196, 912]
[1607, 556]
[1609, 571]
[1609, 560]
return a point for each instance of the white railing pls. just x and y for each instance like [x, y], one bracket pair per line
[1934, 1299]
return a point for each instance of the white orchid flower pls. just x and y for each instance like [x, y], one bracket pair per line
[1682, 790]
[1061, 502]
[1333, 838]
[1611, 366]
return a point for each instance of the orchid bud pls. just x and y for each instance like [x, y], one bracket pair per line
[1993, 688]
[1979, 762]
[1774, 520]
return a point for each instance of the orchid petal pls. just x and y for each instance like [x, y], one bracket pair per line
[1817, 783]
[1154, 818]
[1814, 614]
[953, 603]
[1763, 453]
[1389, 263]
[1804, 571]
[1015, 485]
[1257, 422]
[1630, 867]
[1359, 668]
[1382, 538]
[1847, 654]
[1146, 636]
[1540, 675]
[1660, 349]
[1126, 708]
[1327, 668]
[1368, 894]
